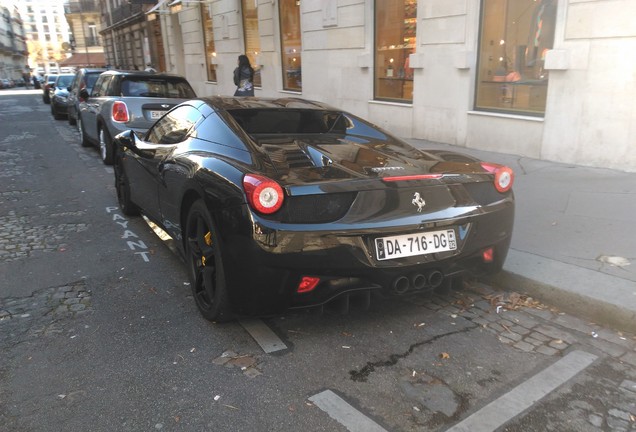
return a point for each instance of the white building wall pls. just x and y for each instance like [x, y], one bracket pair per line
[590, 114]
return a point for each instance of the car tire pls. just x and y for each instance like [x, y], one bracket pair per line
[205, 264]
[122, 186]
[80, 128]
[56, 116]
[106, 148]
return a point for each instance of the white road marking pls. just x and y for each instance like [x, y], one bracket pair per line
[263, 335]
[522, 397]
[339, 410]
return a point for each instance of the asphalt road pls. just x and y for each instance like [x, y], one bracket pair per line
[99, 332]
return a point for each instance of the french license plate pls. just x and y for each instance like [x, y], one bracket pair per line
[156, 114]
[407, 245]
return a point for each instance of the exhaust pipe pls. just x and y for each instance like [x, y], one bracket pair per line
[400, 285]
[418, 281]
[435, 279]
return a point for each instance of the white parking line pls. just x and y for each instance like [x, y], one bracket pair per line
[522, 397]
[263, 335]
[339, 410]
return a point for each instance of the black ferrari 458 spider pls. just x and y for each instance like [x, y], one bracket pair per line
[286, 203]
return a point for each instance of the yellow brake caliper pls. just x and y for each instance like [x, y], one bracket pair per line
[208, 241]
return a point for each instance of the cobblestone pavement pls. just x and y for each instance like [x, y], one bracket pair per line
[528, 326]
[21, 235]
[42, 313]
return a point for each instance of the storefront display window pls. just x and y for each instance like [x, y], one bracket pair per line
[291, 45]
[395, 29]
[515, 36]
[252, 38]
[208, 33]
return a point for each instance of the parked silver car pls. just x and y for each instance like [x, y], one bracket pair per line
[124, 100]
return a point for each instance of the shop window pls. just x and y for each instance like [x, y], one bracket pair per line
[291, 44]
[208, 33]
[395, 26]
[252, 38]
[515, 36]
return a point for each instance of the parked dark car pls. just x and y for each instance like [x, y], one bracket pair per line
[123, 100]
[49, 80]
[59, 95]
[288, 203]
[84, 79]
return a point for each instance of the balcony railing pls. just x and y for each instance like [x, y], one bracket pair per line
[92, 41]
[81, 6]
[125, 11]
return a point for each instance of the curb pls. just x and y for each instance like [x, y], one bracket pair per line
[589, 294]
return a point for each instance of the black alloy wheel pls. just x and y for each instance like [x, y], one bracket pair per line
[205, 265]
[122, 185]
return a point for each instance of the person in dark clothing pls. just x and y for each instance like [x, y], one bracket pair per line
[244, 77]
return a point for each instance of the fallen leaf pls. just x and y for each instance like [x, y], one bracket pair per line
[444, 355]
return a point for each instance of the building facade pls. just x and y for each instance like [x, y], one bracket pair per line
[547, 79]
[13, 52]
[84, 20]
[130, 40]
[47, 33]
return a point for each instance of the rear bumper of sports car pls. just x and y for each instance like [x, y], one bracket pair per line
[264, 263]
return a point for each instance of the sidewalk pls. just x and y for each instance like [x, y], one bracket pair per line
[574, 242]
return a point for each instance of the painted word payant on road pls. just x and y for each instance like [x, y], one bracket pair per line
[138, 246]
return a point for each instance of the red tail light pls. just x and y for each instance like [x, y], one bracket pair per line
[264, 195]
[120, 112]
[488, 255]
[307, 283]
[504, 176]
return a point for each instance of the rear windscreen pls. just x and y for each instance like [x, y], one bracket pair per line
[290, 121]
[156, 87]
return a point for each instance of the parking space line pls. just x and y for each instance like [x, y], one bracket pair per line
[263, 335]
[339, 410]
[522, 397]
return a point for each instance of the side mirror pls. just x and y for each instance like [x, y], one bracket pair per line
[126, 140]
[68, 89]
[84, 94]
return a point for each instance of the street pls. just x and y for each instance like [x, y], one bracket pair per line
[99, 331]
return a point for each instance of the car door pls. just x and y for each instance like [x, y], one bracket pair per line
[72, 96]
[91, 108]
[147, 176]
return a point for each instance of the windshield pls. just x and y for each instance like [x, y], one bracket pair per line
[64, 81]
[156, 87]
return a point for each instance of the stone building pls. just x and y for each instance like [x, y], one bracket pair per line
[47, 33]
[547, 79]
[84, 19]
[130, 40]
[13, 51]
